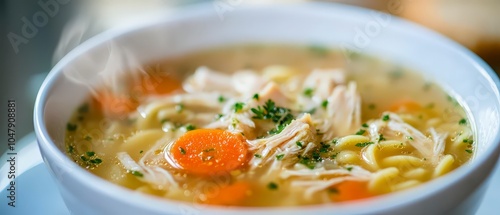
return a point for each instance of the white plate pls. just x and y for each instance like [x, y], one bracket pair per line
[37, 193]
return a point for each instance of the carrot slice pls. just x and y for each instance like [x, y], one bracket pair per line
[233, 194]
[115, 105]
[209, 152]
[350, 190]
[405, 105]
[156, 84]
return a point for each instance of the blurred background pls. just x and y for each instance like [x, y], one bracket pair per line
[37, 33]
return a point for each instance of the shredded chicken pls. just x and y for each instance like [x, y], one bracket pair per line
[343, 114]
[239, 83]
[154, 175]
[396, 128]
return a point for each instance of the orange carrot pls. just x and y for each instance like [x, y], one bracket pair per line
[209, 152]
[233, 194]
[114, 105]
[405, 105]
[156, 84]
[350, 190]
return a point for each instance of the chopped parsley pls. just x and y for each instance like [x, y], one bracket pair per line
[306, 161]
[349, 168]
[256, 96]
[279, 115]
[257, 155]
[324, 147]
[96, 161]
[238, 106]
[280, 156]
[324, 104]
[71, 127]
[163, 121]
[360, 132]
[272, 186]
[71, 149]
[334, 155]
[182, 150]
[90, 159]
[409, 138]
[462, 122]
[140, 152]
[469, 141]
[468, 151]
[365, 125]
[209, 150]
[363, 144]
[385, 117]
[137, 173]
[299, 144]
[221, 99]
[381, 137]
[308, 92]
[190, 127]
[335, 141]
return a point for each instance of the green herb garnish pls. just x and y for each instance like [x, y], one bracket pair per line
[190, 127]
[256, 96]
[137, 173]
[468, 151]
[280, 156]
[308, 92]
[299, 144]
[462, 122]
[182, 150]
[221, 99]
[238, 106]
[71, 127]
[363, 144]
[324, 104]
[279, 115]
[272, 186]
[257, 155]
[360, 132]
[385, 117]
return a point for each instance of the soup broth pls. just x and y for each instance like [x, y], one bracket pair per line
[270, 125]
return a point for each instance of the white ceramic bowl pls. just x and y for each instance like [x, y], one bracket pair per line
[459, 71]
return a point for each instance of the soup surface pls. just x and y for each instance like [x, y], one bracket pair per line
[262, 125]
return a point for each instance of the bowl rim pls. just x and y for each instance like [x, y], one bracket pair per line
[49, 148]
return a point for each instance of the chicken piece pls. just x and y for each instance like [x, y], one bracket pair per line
[323, 82]
[284, 143]
[343, 112]
[395, 128]
[243, 83]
